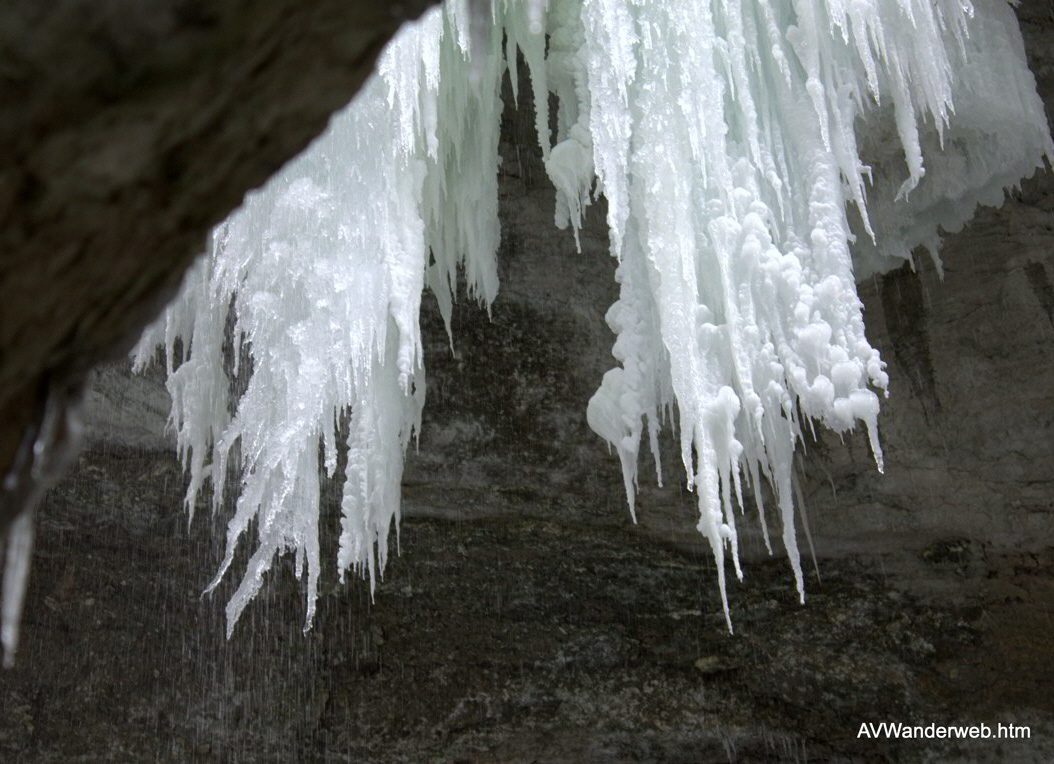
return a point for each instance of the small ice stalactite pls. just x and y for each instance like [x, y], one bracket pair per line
[17, 555]
[47, 450]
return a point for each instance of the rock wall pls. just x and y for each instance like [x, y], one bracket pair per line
[527, 619]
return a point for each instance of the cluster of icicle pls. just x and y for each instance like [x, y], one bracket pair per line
[734, 141]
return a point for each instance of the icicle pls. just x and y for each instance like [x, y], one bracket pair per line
[461, 218]
[17, 556]
[480, 24]
[47, 451]
[728, 137]
[728, 167]
[324, 270]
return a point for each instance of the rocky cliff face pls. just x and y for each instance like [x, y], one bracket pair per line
[527, 619]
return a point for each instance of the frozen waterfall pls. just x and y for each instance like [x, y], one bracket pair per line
[757, 158]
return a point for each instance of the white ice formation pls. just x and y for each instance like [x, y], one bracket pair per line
[757, 157]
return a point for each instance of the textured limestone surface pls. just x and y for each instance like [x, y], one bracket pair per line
[507, 640]
[526, 618]
[128, 410]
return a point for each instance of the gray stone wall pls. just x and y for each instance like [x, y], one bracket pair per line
[526, 618]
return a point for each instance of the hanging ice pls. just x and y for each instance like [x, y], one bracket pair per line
[743, 146]
[727, 137]
[322, 271]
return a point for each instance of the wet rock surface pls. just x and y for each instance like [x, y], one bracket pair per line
[526, 618]
[507, 639]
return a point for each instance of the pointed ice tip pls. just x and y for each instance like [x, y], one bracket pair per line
[631, 501]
